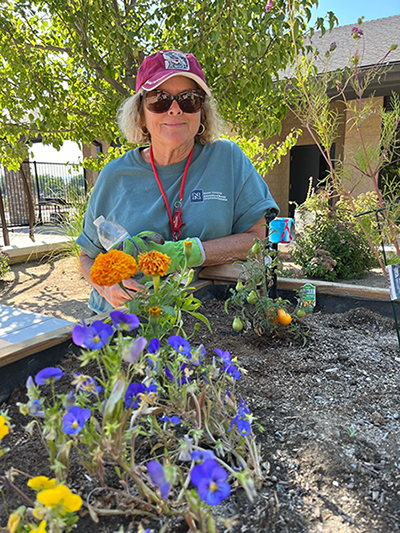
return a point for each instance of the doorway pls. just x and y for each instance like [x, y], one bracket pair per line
[305, 162]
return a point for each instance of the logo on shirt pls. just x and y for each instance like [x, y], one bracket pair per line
[202, 196]
[175, 60]
[196, 196]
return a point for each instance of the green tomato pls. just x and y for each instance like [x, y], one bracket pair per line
[237, 324]
[256, 248]
[252, 297]
[301, 313]
[239, 286]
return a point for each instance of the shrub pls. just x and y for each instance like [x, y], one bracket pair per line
[71, 226]
[4, 268]
[333, 248]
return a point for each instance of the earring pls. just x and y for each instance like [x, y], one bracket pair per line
[202, 129]
[144, 130]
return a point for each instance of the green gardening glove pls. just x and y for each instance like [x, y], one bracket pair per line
[149, 240]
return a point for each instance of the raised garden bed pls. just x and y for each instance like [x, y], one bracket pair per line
[330, 415]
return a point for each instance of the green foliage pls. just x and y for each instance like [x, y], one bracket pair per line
[68, 65]
[97, 162]
[263, 157]
[71, 225]
[364, 206]
[4, 267]
[250, 300]
[334, 247]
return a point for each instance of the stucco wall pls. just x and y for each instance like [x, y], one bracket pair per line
[278, 177]
[91, 151]
[370, 135]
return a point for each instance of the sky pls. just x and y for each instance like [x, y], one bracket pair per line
[347, 11]
[69, 153]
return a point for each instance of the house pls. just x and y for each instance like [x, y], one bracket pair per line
[289, 181]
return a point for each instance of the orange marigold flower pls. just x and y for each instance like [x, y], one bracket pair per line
[153, 263]
[112, 267]
[154, 311]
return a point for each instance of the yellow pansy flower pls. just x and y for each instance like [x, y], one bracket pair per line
[13, 522]
[4, 429]
[40, 529]
[60, 495]
[39, 512]
[41, 483]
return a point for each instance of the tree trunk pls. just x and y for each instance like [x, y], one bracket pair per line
[6, 236]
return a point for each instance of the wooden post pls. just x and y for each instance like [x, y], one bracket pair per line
[31, 209]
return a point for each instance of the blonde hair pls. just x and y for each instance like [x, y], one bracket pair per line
[130, 118]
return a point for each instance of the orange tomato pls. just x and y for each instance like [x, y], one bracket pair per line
[280, 313]
[285, 320]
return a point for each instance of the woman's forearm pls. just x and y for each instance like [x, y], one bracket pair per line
[233, 247]
[86, 265]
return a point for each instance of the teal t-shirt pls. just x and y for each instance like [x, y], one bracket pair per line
[223, 195]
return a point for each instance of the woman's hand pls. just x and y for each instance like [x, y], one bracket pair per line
[116, 296]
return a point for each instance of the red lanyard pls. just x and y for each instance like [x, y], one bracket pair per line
[176, 222]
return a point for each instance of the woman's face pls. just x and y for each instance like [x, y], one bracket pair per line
[173, 130]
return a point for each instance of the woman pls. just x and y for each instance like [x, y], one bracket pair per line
[183, 183]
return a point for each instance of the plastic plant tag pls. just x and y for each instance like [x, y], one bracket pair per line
[393, 274]
[308, 297]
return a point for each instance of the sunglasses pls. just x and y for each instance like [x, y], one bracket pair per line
[190, 101]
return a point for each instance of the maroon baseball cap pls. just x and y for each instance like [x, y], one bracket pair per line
[162, 66]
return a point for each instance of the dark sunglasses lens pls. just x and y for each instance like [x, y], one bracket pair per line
[158, 101]
[161, 101]
[190, 102]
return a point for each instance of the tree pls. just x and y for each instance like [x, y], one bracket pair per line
[67, 65]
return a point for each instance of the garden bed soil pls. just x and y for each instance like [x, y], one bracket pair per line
[330, 411]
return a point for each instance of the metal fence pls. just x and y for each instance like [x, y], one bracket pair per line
[54, 187]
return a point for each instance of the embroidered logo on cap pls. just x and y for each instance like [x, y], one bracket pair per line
[175, 60]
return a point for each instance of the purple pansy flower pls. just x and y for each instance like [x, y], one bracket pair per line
[94, 337]
[231, 369]
[134, 351]
[197, 356]
[153, 346]
[171, 419]
[48, 374]
[179, 344]
[242, 419]
[225, 356]
[210, 480]
[89, 385]
[157, 476]
[124, 322]
[185, 448]
[182, 374]
[36, 408]
[202, 455]
[30, 386]
[132, 398]
[70, 400]
[75, 419]
[133, 392]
